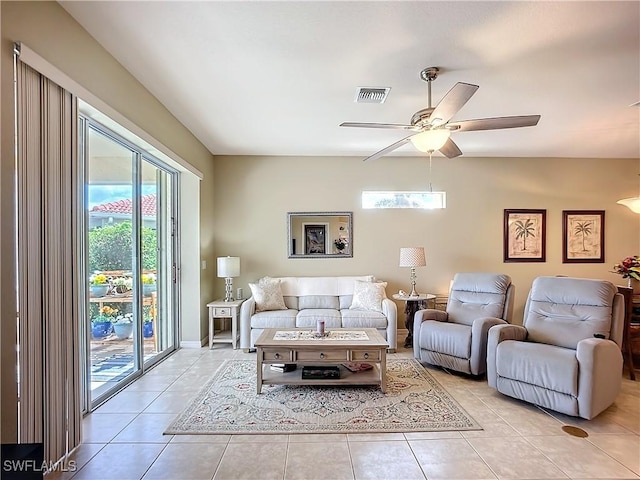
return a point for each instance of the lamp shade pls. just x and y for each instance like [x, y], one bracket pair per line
[228, 267]
[412, 257]
[632, 203]
[430, 140]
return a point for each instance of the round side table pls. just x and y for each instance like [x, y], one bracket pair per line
[412, 305]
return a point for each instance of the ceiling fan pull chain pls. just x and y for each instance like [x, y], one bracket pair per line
[430, 187]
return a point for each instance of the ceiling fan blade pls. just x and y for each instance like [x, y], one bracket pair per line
[452, 102]
[450, 149]
[395, 126]
[388, 149]
[495, 123]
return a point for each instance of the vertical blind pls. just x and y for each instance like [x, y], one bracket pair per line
[47, 203]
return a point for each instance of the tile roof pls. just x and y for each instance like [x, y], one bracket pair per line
[125, 206]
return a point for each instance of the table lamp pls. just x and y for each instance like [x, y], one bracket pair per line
[412, 257]
[228, 267]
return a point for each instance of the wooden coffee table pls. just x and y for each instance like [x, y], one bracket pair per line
[281, 345]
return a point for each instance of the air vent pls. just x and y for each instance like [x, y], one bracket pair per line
[371, 94]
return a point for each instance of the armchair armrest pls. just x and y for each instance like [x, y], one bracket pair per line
[429, 314]
[497, 334]
[479, 335]
[422, 316]
[600, 375]
[247, 309]
[390, 310]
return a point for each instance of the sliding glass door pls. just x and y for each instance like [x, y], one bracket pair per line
[130, 260]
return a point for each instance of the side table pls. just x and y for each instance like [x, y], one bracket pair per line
[413, 304]
[224, 311]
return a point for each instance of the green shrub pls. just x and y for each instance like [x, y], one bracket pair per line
[110, 248]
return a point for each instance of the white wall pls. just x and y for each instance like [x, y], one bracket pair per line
[254, 194]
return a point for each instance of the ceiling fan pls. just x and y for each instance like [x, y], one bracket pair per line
[431, 125]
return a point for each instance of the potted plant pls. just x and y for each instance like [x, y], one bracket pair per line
[98, 285]
[147, 325]
[101, 326]
[148, 284]
[629, 268]
[123, 326]
[340, 243]
[122, 285]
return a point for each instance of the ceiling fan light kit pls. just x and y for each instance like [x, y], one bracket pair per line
[632, 203]
[431, 125]
[430, 141]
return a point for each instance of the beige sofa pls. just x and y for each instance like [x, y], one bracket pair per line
[305, 300]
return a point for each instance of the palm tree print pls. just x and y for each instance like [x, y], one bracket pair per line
[524, 229]
[584, 229]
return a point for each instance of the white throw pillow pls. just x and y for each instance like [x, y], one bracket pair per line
[267, 294]
[368, 296]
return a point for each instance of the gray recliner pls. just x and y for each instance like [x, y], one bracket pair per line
[566, 356]
[457, 338]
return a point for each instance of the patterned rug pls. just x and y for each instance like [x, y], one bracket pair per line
[229, 404]
[113, 368]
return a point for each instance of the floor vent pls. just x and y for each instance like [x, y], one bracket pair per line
[575, 431]
[371, 94]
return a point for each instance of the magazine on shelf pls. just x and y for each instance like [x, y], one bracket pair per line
[320, 373]
[357, 366]
[283, 367]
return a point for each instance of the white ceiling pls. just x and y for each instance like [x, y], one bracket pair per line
[277, 78]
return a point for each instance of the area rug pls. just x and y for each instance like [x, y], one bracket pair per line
[112, 369]
[228, 404]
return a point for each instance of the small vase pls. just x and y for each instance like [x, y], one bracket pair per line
[147, 329]
[123, 330]
[148, 288]
[635, 284]
[100, 330]
[98, 290]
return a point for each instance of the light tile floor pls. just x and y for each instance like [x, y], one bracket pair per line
[123, 438]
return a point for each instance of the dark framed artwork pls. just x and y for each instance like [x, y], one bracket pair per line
[314, 239]
[524, 235]
[583, 236]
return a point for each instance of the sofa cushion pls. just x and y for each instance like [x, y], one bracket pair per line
[368, 296]
[546, 366]
[318, 301]
[363, 319]
[345, 301]
[274, 319]
[309, 318]
[267, 294]
[291, 302]
[562, 311]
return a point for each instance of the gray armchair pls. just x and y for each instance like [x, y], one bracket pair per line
[566, 356]
[457, 338]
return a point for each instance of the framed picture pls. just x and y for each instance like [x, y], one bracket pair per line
[524, 235]
[583, 236]
[314, 239]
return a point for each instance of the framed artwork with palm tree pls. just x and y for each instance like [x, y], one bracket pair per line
[583, 236]
[525, 235]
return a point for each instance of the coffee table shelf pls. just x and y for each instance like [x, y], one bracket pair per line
[347, 377]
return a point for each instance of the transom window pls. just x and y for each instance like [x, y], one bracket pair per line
[423, 200]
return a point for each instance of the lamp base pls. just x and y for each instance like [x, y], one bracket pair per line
[413, 283]
[228, 289]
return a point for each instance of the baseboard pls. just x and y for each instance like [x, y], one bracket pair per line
[193, 343]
